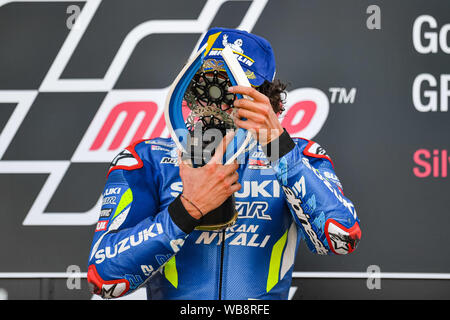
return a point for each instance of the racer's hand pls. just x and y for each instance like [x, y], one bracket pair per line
[206, 188]
[259, 114]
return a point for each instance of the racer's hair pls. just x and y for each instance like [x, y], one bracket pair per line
[276, 92]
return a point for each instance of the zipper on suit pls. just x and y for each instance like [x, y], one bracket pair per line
[222, 250]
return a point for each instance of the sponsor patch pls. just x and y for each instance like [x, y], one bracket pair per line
[101, 226]
[155, 147]
[126, 243]
[169, 144]
[169, 160]
[109, 200]
[259, 164]
[105, 213]
[111, 191]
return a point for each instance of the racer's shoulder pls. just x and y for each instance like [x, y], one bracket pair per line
[140, 152]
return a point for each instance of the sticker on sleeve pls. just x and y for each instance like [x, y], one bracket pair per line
[105, 213]
[259, 164]
[101, 225]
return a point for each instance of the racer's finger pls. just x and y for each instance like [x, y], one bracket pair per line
[250, 115]
[230, 169]
[235, 187]
[247, 124]
[251, 105]
[231, 179]
[248, 91]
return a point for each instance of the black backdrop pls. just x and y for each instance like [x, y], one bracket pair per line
[59, 82]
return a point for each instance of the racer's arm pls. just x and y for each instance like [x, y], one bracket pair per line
[133, 239]
[314, 195]
[327, 218]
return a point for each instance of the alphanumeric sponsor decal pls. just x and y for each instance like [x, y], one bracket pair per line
[295, 204]
[169, 160]
[259, 164]
[105, 213]
[109, 200]
[101, 225]
[125, 244]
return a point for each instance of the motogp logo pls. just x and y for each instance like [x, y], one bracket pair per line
[127, 115]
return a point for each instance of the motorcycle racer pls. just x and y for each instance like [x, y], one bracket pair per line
[153, 203]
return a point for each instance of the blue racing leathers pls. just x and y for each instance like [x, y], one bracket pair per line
[144, 235]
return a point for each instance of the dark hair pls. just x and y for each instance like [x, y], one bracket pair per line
[276, 92]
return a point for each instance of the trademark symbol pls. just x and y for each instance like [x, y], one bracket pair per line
[342, 96]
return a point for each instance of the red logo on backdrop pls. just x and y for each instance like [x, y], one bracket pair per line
[302, 118]
[308, 110]
[131, 111]
[128, 116]
[431, 163]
